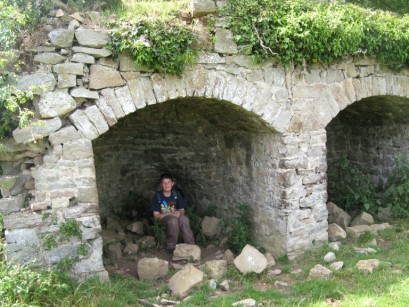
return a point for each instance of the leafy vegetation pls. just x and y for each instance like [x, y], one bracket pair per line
[241, 233]
[397, 6]
[397, 193]
[300, 31]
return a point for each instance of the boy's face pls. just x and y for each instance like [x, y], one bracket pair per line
[166, 185]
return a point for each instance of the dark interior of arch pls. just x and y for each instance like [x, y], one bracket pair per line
[372, 134]
[220, 155]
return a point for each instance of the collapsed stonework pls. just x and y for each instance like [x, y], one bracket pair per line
[256, 132]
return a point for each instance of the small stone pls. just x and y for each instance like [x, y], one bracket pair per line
[330, 257]
[338, 216]
[211, 227]
[280, 284]
[183, 281]
[83, 58]
[367, 250]
[136, 227]
[274, 272]
[224, 285]
[48, 58]
[74, 24]
[336, 233]
[188, 252]
[77, 16]
[335, 246]
[336, 266]
[103, 77]
[250, 260]
[228, 256]
[212, 284]
[152, 268]
[368, 266]
[62, 38]
[38, 206]
[114, 252]
[98, 53]
[203, 7]
[362, 219]
[216, 268]
[82, 92]
[224, 42]
[270, 260]
[320, 271]
[59, 13]
[296, 271]
[67, 80]
[246, 302]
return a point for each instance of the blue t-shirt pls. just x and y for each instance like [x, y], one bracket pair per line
[163, 204]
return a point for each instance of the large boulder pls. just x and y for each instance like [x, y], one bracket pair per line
[362, 219]
[216, 268]
[186, 279]
[320, 271]
[188, 252]
[338, 216]
[250, 260]
[91, 38]
[152, 268]
[211, 227]
[336, 233]
[385, 214]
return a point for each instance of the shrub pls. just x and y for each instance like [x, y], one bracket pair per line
[241, 233]
[397, 193]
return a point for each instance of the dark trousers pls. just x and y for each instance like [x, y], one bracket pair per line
[176, 226]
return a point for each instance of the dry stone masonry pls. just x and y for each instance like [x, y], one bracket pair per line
[231, 131]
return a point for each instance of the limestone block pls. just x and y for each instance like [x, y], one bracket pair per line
[62, 38]
[77, 150]
[250, 260]
[203, 7]
[152, 268]
[60, 203]
[185, 280]
[39, 206]
[37, 130]
[97, 53]
[22, 237]
[82, 92]
[64, 135]
[40, 49]
[135, 88]
[69, 68]
[54, 104]
[48, 58]
[18, 186]
[108, 62]
[83, 58]
[26, 219]
[186, 252]
[67, 80]
[210, 58]
[320, 271]
[126, 62]
[211, 226]
[91, 38]
[136, 227]
[368, 266]
[97, 119]
[88, 195]
[107, 111]
[147, 89]
[11, 204]
[216, 268]
[270, 260]
[113, 102]
[336, 233]
[176, 86]
[125, 99]
[61, 252]
[103, 77]
[338, 216]
[84, 125]
[356, 231]
[224, 42]
[363, 219]
[159, 88]
[330, 257]
[39, 82]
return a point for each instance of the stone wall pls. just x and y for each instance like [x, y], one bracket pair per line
[274, 157]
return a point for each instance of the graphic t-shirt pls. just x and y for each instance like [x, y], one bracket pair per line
[163, 204]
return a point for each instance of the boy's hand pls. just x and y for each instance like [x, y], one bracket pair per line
[175, 213]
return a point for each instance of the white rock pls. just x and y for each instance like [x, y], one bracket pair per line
[367, 250]
[40, 82]
[188, 252]
[335, 246]
[336, 233]
[224, 285]
[211, 226]
[330, 257]
[250, 260]
[64, 135]
[246, 302]
[212, 284]
[336, 266]
[320, 271]
[54, 104]
[368, 266]
[186, 279]
[270, 260]
[152, 268]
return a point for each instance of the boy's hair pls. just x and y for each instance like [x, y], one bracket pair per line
[166, 176]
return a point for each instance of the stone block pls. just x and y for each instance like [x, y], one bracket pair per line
[88, 195]
[114, 252]
[84, 125]
[186, 252]
[125, 99]
[69, 68]
[40, 82]
[48, 58]
[91, 38]
[356, 231]
[103, 77]
[211, 227]
[11, 204]
[25, 219]
[97, 53]
[108, 62]
[203, 7]
[135, 88]
[39, 206]
[224, 42]
[113, 102]
[107, 111]
[185, 280]
[97, 119]
[82, 92]
[36, 130]
[250, 260]
[152, 268]
[67, 80]
[54, 104]
[363, 219]
[6, 183]
[136, 227]
[336, 233]
[62, 38]
[64, 135]
[320, 271]
[368, 266]
[338, 216]
[77, 150]
[83, 58]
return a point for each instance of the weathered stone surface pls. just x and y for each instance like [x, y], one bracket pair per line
[212, 284]
[147, 242]
[228, 256]
[84, 125]
[6, 183]
[108, 62]
[338, 216]
[39, 206]
[114, 252]
[39, 82]
[280, 284]
[366, 250]
[211, 226]
[320, 271]
[18, 186]
[224, 42]
[69, 68]
[203, 7]
[64, 135]
[77, 150]
[186, 252]
[67, 80]
[37, 130]
[330, 257]
[18, 220]
[103, 77]
[385, 214]
[152, 268]
[270, 260]
[91, 38]
[48, 58]
[336, 266]
[97, 119]
[356, 231]
[185, 280]
[224, 285]
[97, 53]
[42, 49]
[136, 227]
[83, 58]
[216, 268]
[336, 233]
[11, 204]
[368, 266]
[131, 248]
[82, 92]
[113, 102]
[54, 104]
[362, 219]
[125, 99]
[247, 302]
[107, 111]
[62, 38]
[250, 260]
